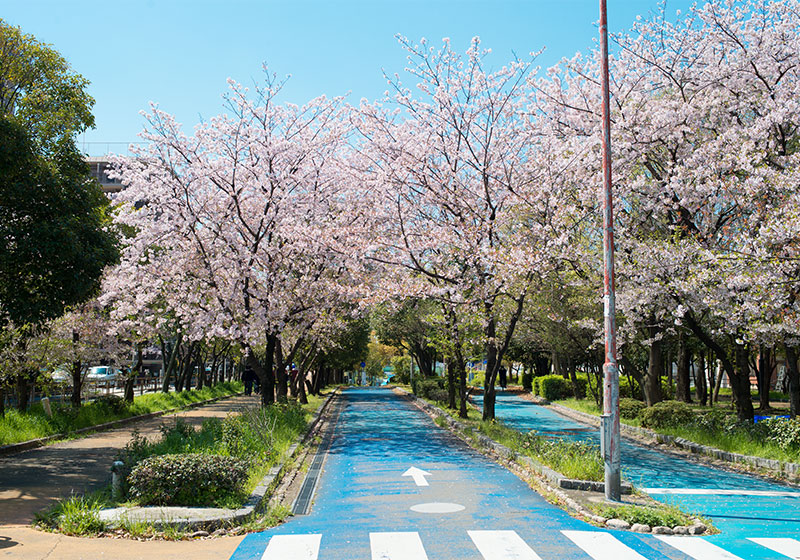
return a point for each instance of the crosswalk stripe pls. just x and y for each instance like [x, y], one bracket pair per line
[502, 545]
[397, 546]
[292, 547]
[697, 548]
[602, 546]
[787, 547]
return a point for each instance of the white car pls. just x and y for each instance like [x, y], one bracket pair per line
[102, 373]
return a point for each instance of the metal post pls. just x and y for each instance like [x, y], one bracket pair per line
[610, 435]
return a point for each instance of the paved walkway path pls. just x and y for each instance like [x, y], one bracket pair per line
[32, 480]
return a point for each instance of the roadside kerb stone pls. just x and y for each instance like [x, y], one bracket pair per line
[789, 469]
[12, 448]
[211, 518]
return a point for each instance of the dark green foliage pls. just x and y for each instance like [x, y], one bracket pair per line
[667, 414]
[630, 408]
[53, 244]
[784, 432]
[527, 381]
[432, 388]
[192, 479]
[114, 404]
[552, 387]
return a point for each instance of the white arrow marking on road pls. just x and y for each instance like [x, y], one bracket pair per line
[697, 548]
[787, 547]
[418, 475]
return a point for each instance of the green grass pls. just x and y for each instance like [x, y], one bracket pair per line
[16, 427]
[76, 515]
[665, 515]
[734, 441]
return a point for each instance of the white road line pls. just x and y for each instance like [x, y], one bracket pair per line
[397, 546]
[502, 545]
[697, 548]
[602, 546]
[292, 547]
[785, 546]
[722, 492]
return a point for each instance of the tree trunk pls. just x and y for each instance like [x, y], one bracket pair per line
[492, 366]
[130, 379]
[169, 368]
[764, 376]
[2, 402]
[682, 389]
[77, 377]
[794, 380]
[266, 373]
[655, 364]
[23, 392]
[281, 388]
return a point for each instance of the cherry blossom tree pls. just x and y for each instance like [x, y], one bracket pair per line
[236, 226]
[705, 119]
[461, 190]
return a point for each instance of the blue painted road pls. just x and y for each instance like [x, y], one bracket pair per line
[741, 506]
[471, 508]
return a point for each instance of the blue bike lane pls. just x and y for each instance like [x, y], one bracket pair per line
[743, 507]
[465, 507]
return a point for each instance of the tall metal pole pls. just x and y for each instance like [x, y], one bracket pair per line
[610, 438]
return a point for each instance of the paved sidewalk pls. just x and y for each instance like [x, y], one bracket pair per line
[32, 480]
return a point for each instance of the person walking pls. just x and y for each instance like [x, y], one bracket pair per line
[249, 377]
[503, 378]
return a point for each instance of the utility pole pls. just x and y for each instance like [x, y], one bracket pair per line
[609, 435]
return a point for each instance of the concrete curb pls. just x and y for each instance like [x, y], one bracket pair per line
[556, 478]
[212, 518]
[787, 469]
[13, 448]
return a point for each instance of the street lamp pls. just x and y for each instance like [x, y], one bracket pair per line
[609, 432]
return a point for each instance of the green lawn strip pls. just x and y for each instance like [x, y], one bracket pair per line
[17, 427]
[732, 439]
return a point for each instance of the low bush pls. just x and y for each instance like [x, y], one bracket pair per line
[784, 432]
[667, 414]
[191, 479]
[630, 408]
[527, 381]
[428, 387]
[664, 515]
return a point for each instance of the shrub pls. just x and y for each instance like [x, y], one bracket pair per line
[784, 432]
[667, 414]
[581, 383]
[428, 386]
[662, 514]
[113, 403]
[630, 408]
[527, 381]
[553, 387]
[190, 479]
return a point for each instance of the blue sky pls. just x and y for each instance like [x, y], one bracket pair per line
[179, 53]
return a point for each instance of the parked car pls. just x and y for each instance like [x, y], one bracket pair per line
[102, 374]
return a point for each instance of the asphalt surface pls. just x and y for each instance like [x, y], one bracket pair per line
[466, 507]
